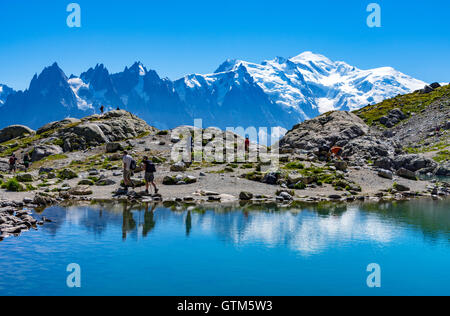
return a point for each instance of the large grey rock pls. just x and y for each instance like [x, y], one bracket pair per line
[178, 167]
[383, 163]
[42, 151]
[385, 174]
[443, 170]
[413, 162]
[368, 146]
[405, 173]
[56, 125]
[96, 130]
[113, 147]
[14, 131]
[245, 196]
[325, 131]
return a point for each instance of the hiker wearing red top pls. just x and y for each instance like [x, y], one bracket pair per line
[336, 151]
[247, 144]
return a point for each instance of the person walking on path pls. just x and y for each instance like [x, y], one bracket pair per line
[127, 170]
[26, 161]
[150, 169]
[13, 163]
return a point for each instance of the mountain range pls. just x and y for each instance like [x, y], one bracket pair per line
[280, 92]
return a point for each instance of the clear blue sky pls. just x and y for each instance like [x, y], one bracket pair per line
[181, 37]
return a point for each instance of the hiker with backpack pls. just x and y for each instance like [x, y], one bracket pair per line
[12, 163]
[129, 164]
[150, 169]
[27, 161]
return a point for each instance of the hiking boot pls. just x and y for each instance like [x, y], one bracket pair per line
[156, 191]
[146, 191]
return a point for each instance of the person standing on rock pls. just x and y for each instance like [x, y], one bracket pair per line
[127, 170]
[150, 169]
[12, 163]
[102, 109]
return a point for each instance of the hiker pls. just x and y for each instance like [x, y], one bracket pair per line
[247, 144]
[118, 109]
[150, 169]
[128, 166]
[26, 161]
[12, 163]
[336, 151]
[102, 109]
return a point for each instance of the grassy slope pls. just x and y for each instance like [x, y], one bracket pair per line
[408, 103]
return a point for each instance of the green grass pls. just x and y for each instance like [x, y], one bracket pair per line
[13, 185]
[408, 103]
[442, 156]
[295, 165]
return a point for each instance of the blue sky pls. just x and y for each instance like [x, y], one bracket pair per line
[181, 37]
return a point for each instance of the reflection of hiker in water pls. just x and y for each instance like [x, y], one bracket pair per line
[149, 220]
[188, 223]
[129, 223]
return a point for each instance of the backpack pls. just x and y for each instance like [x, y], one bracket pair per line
[151, 167]
[133, 164]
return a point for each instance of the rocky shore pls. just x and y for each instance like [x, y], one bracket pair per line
[15, 219]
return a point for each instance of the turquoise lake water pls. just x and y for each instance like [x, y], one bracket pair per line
[234, 251]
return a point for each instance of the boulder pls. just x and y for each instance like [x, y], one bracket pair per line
[435, 85]
[94, 130]
[42, 151]
[67, 174]
[383, 163]
[443, 170]
[405, 173]
[178, 167]
[81, 190]
[86, 182]
[245, 196]
[24, 177]
[426, 89]
[341, 165]
[271, 178]
[387, 174]
[56, 125]
[401, 187]
[325, 131]
[113, 147]
[105, 182]
[14, 131]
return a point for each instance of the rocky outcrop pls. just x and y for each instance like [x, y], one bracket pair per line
[328, 130]
[42, 151]
[14, 131]
[97, 130]
[57, 125]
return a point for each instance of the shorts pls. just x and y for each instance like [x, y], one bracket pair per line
[127, 175]
[12, 167]
[149, 176]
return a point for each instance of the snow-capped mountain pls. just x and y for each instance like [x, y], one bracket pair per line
[5, 91]
[280, 92]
